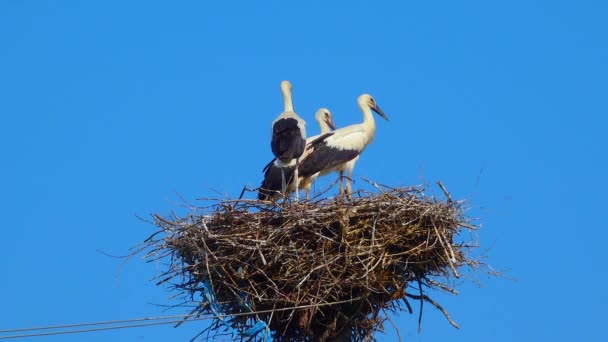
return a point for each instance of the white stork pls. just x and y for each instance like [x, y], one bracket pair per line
[272, 173]
[288, 137]
[341, 150]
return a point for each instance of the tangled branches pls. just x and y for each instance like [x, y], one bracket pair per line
[328, 270]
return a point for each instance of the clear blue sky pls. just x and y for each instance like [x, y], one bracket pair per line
[110, 109]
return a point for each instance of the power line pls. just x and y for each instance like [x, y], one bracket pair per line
[74, 325]
[77, 331]
[163, 319]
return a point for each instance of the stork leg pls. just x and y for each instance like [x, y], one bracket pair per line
[297, 179]
[340, 181]
[283, 183]
[349, 186]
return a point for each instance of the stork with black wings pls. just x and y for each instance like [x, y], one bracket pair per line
[273, 175]
[340, 150]
[288, 137]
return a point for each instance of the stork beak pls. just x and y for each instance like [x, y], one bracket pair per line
[380, 112]
[330, 123]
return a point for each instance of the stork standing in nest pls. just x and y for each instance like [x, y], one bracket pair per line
[340, 150]
[271, 185]
[288, 138]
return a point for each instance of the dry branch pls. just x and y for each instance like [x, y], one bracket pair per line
[328, 270]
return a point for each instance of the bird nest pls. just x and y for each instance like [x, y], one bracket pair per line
[323, 270]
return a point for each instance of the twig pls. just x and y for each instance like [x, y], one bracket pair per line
[388, 318]
[441, 286]
[445, 191]
[421, 306]
[261, 255]
[409, 307]
[444, 311]
[447, 249]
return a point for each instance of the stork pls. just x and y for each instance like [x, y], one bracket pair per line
[272, 173]
[341, 150]
[288, 137]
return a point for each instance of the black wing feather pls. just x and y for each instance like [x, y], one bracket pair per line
[287, 142]
[271, 184]
[318, 141]
[324, 157]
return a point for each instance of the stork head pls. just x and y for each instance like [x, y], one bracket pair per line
[323, 116]
[286, 87]
[368, 101]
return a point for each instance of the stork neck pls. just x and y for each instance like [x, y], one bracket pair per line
[323, 126]
[287, 101]
[368, 119]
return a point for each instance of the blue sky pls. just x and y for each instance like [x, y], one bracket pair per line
[113, 109]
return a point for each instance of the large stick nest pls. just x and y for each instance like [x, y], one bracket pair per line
[325, 270]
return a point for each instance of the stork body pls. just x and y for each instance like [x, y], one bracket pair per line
[273, 173]
[341, 150]
[288, 136]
